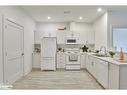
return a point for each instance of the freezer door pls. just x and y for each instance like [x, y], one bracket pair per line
[48, 64]
[48, 47]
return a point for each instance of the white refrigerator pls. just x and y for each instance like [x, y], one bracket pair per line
[48, 53]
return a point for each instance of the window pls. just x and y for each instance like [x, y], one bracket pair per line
[120, 39]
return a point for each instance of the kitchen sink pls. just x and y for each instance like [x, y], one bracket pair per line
[121, 61]
[100, 55]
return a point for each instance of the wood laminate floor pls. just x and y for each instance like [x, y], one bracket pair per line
[59, 79]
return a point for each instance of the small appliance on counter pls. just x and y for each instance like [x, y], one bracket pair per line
[60, 50]
[37, 48]
[84, 48]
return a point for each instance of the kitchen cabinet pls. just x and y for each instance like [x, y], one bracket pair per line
[90, 65]
[117, 76]
[83, 31]
[113, 76]
[49, 34]
[36, 60]
[109, 73]
[102, 72]
[83, 60]
[61, 60]
[98, 69]
[90, 37]
[60, 37]
[72, 34]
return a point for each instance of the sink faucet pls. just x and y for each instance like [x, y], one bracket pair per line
[103, 47]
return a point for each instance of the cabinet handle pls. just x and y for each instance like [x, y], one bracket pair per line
[22, 54]
[92, 63]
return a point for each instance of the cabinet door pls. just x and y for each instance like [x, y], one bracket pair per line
[90, 37]
[60, 60]
[83, 60]
[36, 61]
[92, 65]
[113, 76]
[102, 73]
[61, 37]
[87, 62]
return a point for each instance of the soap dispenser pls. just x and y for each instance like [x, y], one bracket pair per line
[121, 54]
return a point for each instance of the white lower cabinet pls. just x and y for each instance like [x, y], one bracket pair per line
[36, 60]
[117, 76]
[113, 76]
[102, 72]
[61, 60]
[98, 69]
[83, 61]
[109, 75]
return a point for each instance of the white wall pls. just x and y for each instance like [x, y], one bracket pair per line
[115, 19]
[18, 15]
[1, 65]
[100, 29]
[47, 28]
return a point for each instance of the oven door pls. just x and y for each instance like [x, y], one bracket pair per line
[73, 58]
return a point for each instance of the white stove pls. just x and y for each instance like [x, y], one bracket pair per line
[72, 59]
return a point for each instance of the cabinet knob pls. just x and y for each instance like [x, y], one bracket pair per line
[22, 54]
[92, 63]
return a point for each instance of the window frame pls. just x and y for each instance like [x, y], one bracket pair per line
[117, 26]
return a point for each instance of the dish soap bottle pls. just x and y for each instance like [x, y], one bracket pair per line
[121, 54]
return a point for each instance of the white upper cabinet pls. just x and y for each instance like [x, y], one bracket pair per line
[49, 34]
[83, 31]
[60, 37]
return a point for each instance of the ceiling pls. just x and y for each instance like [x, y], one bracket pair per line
[68, 13]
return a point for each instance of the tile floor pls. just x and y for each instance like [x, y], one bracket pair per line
[59, 79]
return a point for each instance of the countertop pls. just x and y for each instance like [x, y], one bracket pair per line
[108, 59]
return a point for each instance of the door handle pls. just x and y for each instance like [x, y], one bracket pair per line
[22, 54]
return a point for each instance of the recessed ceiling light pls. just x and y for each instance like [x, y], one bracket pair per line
[80, 18]
[99, 9]
[49, 17]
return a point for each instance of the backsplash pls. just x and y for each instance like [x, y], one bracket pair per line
[63, 46]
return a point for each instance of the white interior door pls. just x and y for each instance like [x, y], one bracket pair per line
[13, 52]
[1, 54]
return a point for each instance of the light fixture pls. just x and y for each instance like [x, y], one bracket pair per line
[80, 18]
[49, 17]
[99, 9]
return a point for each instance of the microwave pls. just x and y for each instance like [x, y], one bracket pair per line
[71, 41]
